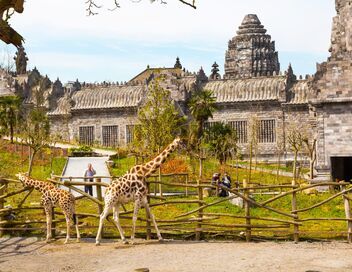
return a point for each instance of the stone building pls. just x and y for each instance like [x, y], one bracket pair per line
[332, 100]
[254, 97]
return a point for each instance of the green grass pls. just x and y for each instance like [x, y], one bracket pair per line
[14, 163]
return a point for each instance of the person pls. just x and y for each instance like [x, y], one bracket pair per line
[89, 173]
[226, 182]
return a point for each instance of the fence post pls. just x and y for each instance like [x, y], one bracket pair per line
[53, 224]
[148, 224]
[348, 215]
[247, 211]
[187, 185]
[2, 201]
[99, 195]
[294, 207]
[200, 198]
[160, 185]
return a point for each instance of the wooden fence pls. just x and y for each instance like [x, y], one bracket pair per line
[196, 221]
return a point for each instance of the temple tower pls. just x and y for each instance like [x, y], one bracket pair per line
[251, 53]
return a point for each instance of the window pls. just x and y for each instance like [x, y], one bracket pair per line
[267, 131]
[208, 125]
[86, 135]
[110, 136]
[129, 133]
[241, 130]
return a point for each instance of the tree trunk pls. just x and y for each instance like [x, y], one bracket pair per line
[295, 165]
[250, 162]
[31, 159]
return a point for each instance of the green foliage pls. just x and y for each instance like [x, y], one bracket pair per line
[82, 148]
[9, 115]
[159, 121]
[202, 107]
[36, 127]
[222, 141]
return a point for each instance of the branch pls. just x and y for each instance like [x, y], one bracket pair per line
[188, 3]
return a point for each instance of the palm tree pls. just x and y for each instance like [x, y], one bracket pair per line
[202, 106]
[9, 112]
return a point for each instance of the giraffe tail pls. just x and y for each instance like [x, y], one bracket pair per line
[74, 217]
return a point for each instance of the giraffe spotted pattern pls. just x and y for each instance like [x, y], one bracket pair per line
[51, 197]
[132, 187]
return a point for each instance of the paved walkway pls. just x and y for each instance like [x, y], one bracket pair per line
[76, 167]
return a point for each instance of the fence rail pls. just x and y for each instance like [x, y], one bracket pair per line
[196, 221]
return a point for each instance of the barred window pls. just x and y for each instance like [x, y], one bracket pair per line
[208, 125]
[129, 133]
[241, 130]
[110, 136]
[86, 135]
[267, 131]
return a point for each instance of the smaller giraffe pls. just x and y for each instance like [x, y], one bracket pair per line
[52, 196]
[133, 187]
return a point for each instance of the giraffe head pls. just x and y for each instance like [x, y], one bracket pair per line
[23, 177]
[178, 143]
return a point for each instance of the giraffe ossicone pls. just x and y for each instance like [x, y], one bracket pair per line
[52, 196]
[133, 187]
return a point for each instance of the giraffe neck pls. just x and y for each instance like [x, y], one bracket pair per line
[41, 186]
[151, 166]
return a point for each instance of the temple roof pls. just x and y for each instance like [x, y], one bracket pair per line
[101, 98]
[251, 25]
[251, 89]
[299, 93]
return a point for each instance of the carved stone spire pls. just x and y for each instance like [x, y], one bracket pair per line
[215, 72]
[251, 53]
[21, 61]
[201, 76]
[178, 64]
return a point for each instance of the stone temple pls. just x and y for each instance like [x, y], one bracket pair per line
[253, 96]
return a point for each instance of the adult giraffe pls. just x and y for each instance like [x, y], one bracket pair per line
[133, 187]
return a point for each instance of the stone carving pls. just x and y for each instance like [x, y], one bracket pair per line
[251, 53]
[21, 61]
[178, 64]
[215, 72]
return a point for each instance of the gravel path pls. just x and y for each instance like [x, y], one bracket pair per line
[31, 254]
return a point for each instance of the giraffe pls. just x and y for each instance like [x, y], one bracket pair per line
[133, 187]
[52, 196]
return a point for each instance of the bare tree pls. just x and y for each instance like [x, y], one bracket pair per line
[295, 138]
[253, 142]
[311, 148]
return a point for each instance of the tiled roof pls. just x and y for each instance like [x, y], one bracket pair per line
[108, 97]
[252, 89]
[299, 93]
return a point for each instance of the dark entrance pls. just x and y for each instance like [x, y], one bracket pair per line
[341, 168]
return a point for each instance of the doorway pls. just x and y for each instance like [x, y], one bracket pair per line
[341, 168]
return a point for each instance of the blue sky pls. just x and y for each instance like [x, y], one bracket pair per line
[63, 42]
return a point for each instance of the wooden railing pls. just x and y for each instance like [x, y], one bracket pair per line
[196, 222]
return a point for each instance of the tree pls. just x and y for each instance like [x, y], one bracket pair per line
[222, 141]
[202, 107]
[295, 138]
[311, 148]
[159, 120]
[36, 128]
[9, 115]
[8, 7]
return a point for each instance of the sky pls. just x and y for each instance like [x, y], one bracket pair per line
[62, 41]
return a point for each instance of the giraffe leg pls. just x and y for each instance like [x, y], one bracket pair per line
[48, 213]
[151, 215]
[137, 204]
[68, 223]
[75, 220]
[116, 209]
[103, 215]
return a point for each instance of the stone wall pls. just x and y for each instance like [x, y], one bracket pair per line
[69, 128]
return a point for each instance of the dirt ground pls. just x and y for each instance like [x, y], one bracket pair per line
[32, 254]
